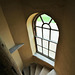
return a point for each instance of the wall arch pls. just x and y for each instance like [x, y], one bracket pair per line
[30, 32]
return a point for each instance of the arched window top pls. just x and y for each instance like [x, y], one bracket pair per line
[46, 35]
[45, 19]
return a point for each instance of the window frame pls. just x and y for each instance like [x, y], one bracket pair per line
[34, 32]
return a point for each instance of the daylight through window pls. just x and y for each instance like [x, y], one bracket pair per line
[46, 35]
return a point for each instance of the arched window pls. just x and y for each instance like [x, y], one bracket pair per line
[46, 35]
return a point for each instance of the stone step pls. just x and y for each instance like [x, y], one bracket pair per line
[44, 71]
[52, 72]
[32, 69]
[38, 69]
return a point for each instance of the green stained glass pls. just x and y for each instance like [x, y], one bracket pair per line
[39, 19]
[52, 21]
[46, 18]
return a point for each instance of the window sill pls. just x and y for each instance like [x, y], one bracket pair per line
[43, 58]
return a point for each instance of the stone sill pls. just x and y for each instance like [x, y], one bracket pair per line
[45, 59]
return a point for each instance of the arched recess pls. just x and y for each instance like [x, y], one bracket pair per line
[30, 32]
[51, 39]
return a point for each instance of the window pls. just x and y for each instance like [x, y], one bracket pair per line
[46, 35]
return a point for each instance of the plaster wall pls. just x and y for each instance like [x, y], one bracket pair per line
[17, 23]
[65, 58]
[17, 13]
[62, 11]
[6, 36]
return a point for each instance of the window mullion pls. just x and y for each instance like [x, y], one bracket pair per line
[48, 48]
[42, 19]
[47, 28]
[35, 31]
[48, 41]
[35, 38]
[42, 40]
[50, 21]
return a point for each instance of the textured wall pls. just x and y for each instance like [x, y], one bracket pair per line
[5, 32]
[17, 13]
[65, 60]
[16, 21]
[7, 38]
[62, 11]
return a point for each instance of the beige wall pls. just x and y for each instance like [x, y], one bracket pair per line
[7, 38]
[17, 14]
[63, 11]
[65, 60]
[5, 32]
[16, 21]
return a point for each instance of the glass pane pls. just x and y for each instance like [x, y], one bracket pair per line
[52, 21]
[54, 36]
[53, 25]
[45, 52]
[39, 49]
[39, 32]
[51, 54]
[46, 26]
[39, 22]
[53, 46]
[45, 18]
[45, 44]
[46, 34]
[38, 41]
[39, 19]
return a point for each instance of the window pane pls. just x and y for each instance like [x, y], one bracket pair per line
[38, 41]
[45, 44]
[46, 34]
[39, 19]
[39, 32]
[45, 18]
[52, 54]
[54, 36]
[46, 26]
[39, 22]
[53, 25]
[53, 46]
[45, 52]
[39, 49]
